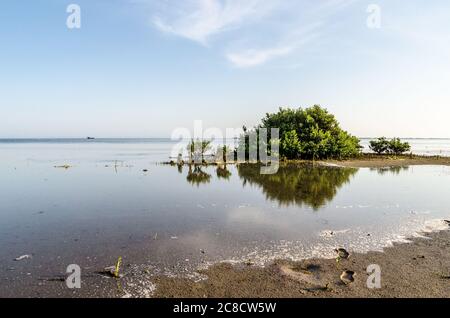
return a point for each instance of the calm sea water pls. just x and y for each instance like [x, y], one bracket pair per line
[173, 221]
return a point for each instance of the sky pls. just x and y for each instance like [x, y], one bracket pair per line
[143, 68]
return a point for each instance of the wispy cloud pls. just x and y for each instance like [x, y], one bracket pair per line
[261, 30]
[198, 20]
[291, 41]
[254, 57]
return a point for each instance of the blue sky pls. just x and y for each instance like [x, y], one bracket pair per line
[141, 68]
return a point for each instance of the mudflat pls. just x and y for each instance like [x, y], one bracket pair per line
[381, 161]
[417, 269]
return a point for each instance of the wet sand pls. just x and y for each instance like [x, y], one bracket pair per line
[381, 161]
[417, 269]
[363, 161]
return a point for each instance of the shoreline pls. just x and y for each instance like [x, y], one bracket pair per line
[384, 161]
[420, 268]
[363, 161]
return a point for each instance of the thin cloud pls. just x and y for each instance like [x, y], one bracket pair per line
[198, 20]
[286, 25]
[293, 41]
[251, 58]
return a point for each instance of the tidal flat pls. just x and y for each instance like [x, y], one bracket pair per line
[91, 203]
[420, 268]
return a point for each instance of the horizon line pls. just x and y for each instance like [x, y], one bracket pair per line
[169, 138]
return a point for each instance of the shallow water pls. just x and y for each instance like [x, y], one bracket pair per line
[177, 220]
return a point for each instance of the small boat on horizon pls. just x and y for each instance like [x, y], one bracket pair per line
[90, 138]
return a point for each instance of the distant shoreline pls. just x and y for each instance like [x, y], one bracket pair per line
[420, 146]
[170, 139]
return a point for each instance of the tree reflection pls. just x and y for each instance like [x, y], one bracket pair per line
[222, 172]
[196, 176]
[395, 170]
[300, 185]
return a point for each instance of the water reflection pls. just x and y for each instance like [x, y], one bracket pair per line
[393, 170]
[309, 185]
[293, 184]
[222, 172]
[196, 176]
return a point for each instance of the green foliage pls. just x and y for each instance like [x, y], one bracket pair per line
[379, 146]
[394, 146]
[397, 147]
[290, 145]
[318, 133]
